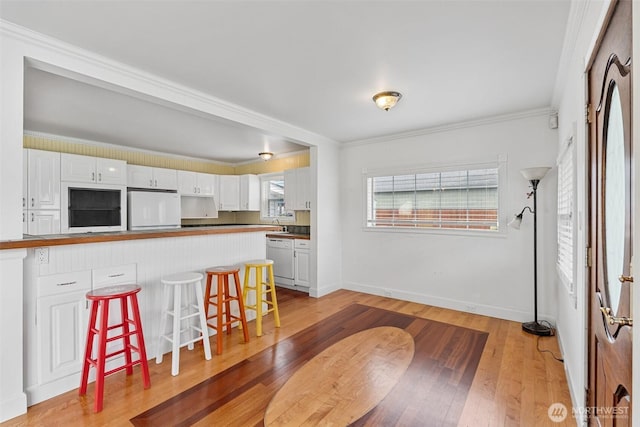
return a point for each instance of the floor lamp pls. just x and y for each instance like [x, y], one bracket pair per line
[533, 175]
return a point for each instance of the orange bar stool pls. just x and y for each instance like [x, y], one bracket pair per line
[221, 300]
[130, 326]
[263, 289]
[183, 315]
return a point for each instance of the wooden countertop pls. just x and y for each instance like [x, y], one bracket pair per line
[75, 239]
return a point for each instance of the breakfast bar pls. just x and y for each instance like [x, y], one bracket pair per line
[60, 269]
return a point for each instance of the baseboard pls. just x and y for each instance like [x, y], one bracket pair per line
[324, 290]
[465, 306]
[576, 401]
[13, 407]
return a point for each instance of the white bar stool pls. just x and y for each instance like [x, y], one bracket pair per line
[178, 282]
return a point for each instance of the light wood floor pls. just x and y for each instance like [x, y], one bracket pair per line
[513, 386]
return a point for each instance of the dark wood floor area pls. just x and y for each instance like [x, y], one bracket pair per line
[513, 384]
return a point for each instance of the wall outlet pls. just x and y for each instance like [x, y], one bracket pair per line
[387, 293]
[42, 255]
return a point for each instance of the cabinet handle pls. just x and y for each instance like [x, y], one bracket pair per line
[116, 275]
[33, 217]
[156, 182]
[24, 202]
[93, 176]
[23, 218]
[66, 283]
[33, 202]
[150, 183]
[198, 190]
[195, 189]
[100, 177]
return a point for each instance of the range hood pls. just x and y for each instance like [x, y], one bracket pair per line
[198, 207]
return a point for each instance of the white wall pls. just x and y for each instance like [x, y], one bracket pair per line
[487, 275]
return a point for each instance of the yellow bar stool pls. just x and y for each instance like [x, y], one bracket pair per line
[263, 289]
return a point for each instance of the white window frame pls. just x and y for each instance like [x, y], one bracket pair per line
[566, 218]
[500, 164]
[289, 216]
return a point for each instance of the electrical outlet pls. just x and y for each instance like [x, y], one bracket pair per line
[388, 293]
[42, 255]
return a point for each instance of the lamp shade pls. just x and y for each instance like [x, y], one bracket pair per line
[386, 100]
[531, 174]
[516, 222]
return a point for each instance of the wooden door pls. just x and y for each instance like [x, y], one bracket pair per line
[610, 172]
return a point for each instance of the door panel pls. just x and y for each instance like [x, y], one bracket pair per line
[610, 172]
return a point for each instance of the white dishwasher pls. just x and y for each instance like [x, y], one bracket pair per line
[281, 252]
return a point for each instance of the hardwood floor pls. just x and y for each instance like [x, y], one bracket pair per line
[514, 384]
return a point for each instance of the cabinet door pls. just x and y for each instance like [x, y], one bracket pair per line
[43, 222]
[62, 326]
[110, 171]
[165, 179]
[43, 180]
[25, 180]
[302, 276]
[249, 193]
[229, 193]
[187, 183]
[139, 176]
[77, 168]
[207, 184]
[303, 189]
[290, 189]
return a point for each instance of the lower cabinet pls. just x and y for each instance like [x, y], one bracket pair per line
[302, 262]
[61, 321]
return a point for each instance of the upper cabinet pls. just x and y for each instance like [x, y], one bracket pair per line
[95, 170]
[41, 180]
[197, 184]
[229, 193]
[154, 178]
[249, 193]
[297, 189]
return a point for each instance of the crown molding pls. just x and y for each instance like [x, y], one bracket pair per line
[181, 97]
[453, 126]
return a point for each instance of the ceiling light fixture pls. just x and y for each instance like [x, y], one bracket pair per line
[386, 100]
[265, 155]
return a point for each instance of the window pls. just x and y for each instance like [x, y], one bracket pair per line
[272, 198]
[566, 190]
[459, 199]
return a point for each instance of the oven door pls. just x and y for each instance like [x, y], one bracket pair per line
[93, 208]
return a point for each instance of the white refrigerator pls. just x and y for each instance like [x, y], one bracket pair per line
[149, 210]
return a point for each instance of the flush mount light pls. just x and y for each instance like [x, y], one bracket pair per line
[386, 100]
[265, 155]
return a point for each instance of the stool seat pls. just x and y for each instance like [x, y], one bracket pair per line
[191, 282]
[182, 278]
[262, 289]
[99, 327]
[221, 300]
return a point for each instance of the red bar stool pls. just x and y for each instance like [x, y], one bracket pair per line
[221, 300]
[131, 325]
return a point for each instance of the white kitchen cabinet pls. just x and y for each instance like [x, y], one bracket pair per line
[61, 322]
[249, 193]
[229, 193]
[153, 178]
[77, 168]
[197, 184]
[43, 179]
[302, 262]
[297, 189]
[41, 222]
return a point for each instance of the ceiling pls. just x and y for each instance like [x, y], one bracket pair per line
[312, 64]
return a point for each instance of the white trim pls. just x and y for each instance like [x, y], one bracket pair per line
[452, 126]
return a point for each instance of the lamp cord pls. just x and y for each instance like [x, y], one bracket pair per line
[553, 333]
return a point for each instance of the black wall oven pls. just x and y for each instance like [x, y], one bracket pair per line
[93, 207]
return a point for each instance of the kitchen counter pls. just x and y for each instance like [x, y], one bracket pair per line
[283, 235]
[80, 238]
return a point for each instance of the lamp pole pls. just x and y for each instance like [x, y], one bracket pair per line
[535, 327]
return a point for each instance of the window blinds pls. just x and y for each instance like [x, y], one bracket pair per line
[566, 191]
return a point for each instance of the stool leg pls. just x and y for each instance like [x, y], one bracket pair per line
[207, 297]
[203, 322]
[220, 298]
[142, 352]
[274, 300]
[163, 323]
[259, 301]
[102, 352]
[175, 348]
[245, 291]
[227, 303]
[88, 350]
[124, 310]
[190, 325]
[243, 316]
